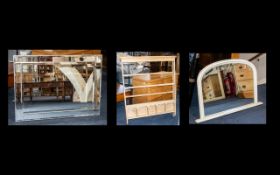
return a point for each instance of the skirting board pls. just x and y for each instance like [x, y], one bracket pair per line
[227, 112]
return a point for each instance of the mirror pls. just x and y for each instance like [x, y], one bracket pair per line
[225, 87]
[57, 86]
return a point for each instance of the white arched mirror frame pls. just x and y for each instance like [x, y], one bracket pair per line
[203, 117]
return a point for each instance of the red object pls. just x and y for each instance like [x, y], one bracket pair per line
[229, 84]
[232, 84]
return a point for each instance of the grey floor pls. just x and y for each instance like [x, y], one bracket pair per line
[165, 119]
[255, 115]
[88, 120]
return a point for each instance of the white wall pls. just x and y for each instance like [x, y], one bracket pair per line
[260, 64]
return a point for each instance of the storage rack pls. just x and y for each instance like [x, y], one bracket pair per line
[147, 109]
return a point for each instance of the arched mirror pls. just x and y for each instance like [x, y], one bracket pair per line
[225, 87]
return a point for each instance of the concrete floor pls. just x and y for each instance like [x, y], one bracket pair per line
[165, 119]
[88, 120]
[255, 115]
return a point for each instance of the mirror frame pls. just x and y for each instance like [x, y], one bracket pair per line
[202, 116]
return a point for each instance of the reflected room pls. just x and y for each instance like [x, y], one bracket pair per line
[56, 86]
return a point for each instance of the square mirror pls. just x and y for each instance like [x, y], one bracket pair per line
[56, 86]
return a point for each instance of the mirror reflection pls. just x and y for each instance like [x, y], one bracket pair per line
[227, 86]
[57, 86]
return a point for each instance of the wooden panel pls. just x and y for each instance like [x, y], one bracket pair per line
[152, 98]
[160, 108]
[245, 85]
[131, 112]
[240, 67]
[10, 80]
[152, 90]
[148, 74]
[131, 59]
[244, 80]
[149, 109]
[65, 52]
[246, 94]
[235, 55]
[10, 75]
[242, 72]
[152, 110]
[144, 80]
[153, 78]
[142, 111]
[246, 75]
[170, 107]
[177, 81]
[211, 87]
[209, 95]
[120, 96]
[10, 68]
[26, 77]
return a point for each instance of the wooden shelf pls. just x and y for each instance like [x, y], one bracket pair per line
[154, 93]
[65, 52]
[155, 73]
[157, 93]
[147, 86]
[150, 109]
[133, 59]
